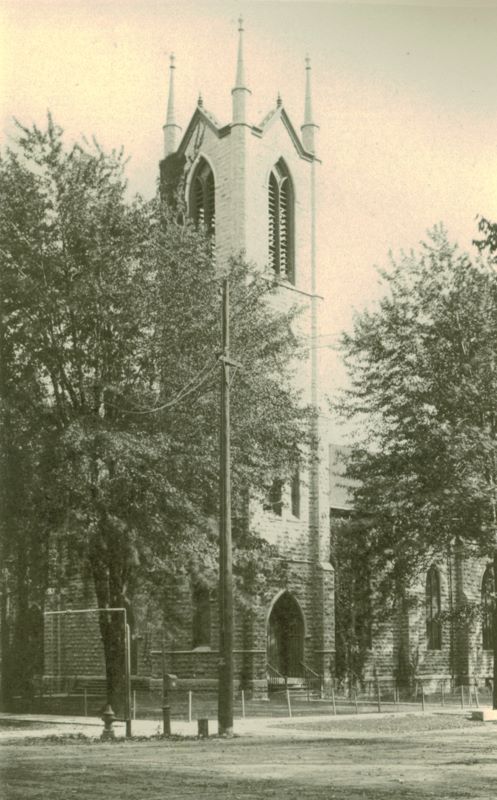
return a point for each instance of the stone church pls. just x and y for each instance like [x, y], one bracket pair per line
[254, 185]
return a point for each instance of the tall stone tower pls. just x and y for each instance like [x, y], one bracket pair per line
[254, 187]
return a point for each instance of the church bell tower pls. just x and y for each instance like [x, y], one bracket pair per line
[254, 186]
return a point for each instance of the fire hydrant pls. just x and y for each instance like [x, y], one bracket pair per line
[108, 718]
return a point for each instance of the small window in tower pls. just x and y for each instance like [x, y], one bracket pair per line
[295, 493]
[274, 499]
[487, 609]
[201, 616]
[202, 197]
[281, 222]
[433, 623]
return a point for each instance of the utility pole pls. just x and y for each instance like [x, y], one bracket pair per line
[225, 689]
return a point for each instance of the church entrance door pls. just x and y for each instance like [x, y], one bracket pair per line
[285, 640]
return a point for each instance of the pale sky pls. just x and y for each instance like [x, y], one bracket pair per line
[405, 96]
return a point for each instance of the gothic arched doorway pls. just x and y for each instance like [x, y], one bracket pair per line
[285, 636]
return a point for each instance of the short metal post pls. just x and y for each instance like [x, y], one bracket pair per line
[355, 701]
[86, 702]
[166, 720]
[333, 700]
[288, 702]
[462, 696]
[108, 718]
[243, 703]
[190, 705]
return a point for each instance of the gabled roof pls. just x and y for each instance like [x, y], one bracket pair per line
[201, 115]
[271, 118]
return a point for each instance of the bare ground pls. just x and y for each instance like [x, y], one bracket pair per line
[401, 758]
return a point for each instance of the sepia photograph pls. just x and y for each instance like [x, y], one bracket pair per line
[248, 399]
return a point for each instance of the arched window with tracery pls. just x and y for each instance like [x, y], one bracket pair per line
[487, 609]
[202, 201]
[433, 623]
[281, 222]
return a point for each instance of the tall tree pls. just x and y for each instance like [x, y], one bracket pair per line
[424, 387]
[112, 314]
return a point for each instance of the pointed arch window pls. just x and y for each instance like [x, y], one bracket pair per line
[281, 222]
[487, 609]
[295, 493]
[433, 624]
[202, 204]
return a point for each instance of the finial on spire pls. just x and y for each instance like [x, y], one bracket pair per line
[240, 66]
[309, 125]
[279, 101]
[170, 128]
[240, 90]
[200, 101]
[170, 118]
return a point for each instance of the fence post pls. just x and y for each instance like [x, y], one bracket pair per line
[243, 703]
[86, 702]
[355, 701]
[190, 696]
[378, 693]
[288, 702]
[333, 700]
[134, 703]
[462, 696]
[443, 692]
[422, 696]
[476, 695]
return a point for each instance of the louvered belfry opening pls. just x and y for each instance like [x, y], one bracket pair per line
[280, 222]
[202, 197]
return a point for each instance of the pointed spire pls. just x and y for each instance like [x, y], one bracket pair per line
[240, 91]
[309, 125]
[171, 130]
[240, 66]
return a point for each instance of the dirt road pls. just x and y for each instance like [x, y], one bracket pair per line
[406, 758]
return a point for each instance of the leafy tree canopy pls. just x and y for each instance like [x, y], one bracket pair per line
[423, 382]
[111, 337]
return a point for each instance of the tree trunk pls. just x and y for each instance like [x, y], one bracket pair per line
[110, 595]
[494, 634]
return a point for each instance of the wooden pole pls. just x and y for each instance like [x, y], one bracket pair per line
[127, 673]
[225, 689]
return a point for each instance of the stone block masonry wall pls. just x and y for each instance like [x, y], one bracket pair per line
[72, 643]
